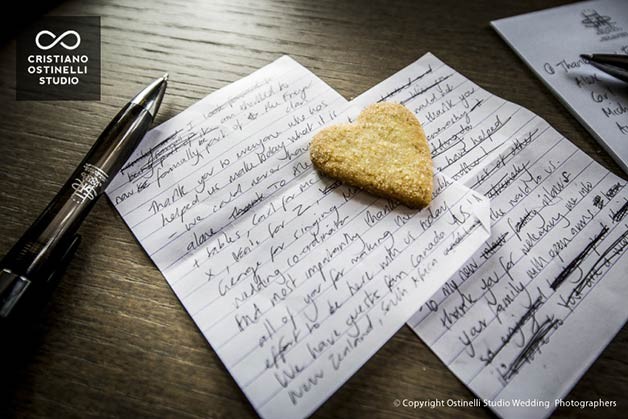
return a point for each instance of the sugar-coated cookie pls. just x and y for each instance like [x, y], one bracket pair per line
[384, 152]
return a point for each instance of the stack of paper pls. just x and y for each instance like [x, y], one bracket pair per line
[551, 41]
[296, 280]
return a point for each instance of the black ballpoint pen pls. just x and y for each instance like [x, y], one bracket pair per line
[31, 269]
[613, 64]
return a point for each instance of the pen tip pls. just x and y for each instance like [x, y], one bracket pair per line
[165, 77]
[585, 57]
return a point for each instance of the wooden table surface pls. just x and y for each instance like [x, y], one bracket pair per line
[115, 341]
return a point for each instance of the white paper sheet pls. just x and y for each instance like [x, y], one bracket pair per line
[294, 280]
[525, 317]
[550, 43]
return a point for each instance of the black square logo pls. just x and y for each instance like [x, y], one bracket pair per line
[58, 58]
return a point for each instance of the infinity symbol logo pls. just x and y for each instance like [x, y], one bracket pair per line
[58, 40]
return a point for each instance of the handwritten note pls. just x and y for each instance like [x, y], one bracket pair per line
[295, 280]
[227, 154]
[530, 311]
[551, 41]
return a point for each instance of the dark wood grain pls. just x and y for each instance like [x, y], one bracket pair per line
[115, 341]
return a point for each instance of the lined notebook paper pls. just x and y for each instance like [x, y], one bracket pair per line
[295, 280]
[550, 43]
[529, 312]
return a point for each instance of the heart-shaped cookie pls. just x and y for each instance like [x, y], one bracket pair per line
[384, 152]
